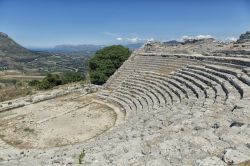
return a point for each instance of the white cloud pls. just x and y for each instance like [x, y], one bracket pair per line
[195, 37]
[150, 39]
[203, 36]
[131, 38]
[119, 38]
[111, 34]
[231, 39]
[134, 39]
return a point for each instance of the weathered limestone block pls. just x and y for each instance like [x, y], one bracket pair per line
[210, 161]
[232, 156]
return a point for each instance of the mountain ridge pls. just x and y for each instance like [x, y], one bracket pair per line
[12, 54]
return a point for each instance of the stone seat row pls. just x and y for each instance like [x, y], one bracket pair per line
[142, 85]
[147, 90]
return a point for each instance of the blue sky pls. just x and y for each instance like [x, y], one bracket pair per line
[45, 23]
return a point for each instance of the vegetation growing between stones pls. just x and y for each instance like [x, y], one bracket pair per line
[52, 80]
[2, 136]
[81, 156]
[105, 62]
[29, 130]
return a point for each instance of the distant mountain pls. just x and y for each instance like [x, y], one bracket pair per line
[13, 55]
[77, 48]
[41, 61]
[85, 49]
[89, 47]
[9, 48]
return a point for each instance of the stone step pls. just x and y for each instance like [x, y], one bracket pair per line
[190, 98]
[141, 99]
[209, 91]
[244, 62]
[221, 89]
[133, 104]
[228, 88]
[239, 77]
[161, 89]
[147, 94]
[159, 97]
[135, 99]
[229, 78]
[124, 107]
[195, 87]
[185, 83]
[170, 96]
[213, 85]
[177, 88]
[223, 64]
[197, 84]
[140, 93]
[147, 90]
[173, 93]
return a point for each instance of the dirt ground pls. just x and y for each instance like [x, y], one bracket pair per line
[61, 121]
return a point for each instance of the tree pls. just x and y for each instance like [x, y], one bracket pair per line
[105, 62]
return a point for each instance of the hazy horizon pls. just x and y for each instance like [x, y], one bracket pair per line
[49, 23]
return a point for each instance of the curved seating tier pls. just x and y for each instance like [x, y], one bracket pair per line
[147, 63]
[148, 81]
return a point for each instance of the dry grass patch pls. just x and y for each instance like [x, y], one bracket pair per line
[13, 92]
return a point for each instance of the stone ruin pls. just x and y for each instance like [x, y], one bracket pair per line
[182, 105]
[244, 38]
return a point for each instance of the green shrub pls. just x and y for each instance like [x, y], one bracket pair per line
[33, 83]
[105, 62]
[72, 77]
[52, 80]
[44, 84]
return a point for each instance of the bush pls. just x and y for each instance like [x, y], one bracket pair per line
[105, 62]
[72, 77]
[44, 84]
[52, 80]
[33, 83]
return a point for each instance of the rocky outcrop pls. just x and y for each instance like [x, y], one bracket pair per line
[3, 35]
[199, 41]
[204, 46]
[244, 37]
